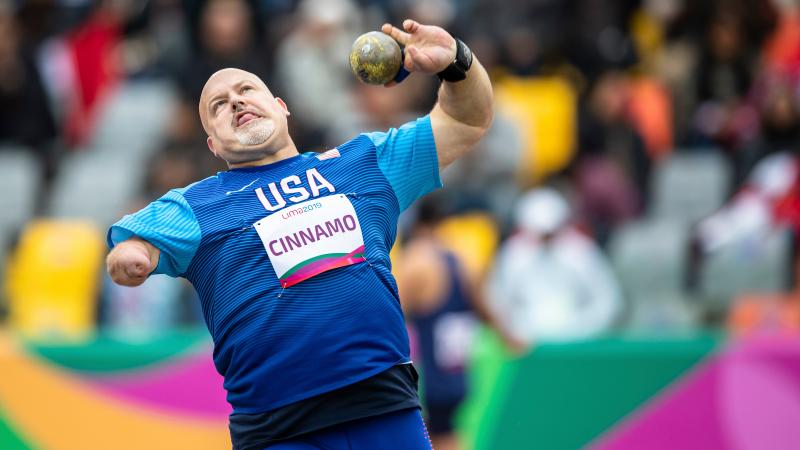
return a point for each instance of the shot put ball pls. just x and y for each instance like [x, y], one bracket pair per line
[375, 58]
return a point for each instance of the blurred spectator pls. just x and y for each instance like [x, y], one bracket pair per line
[550, 282]
[781, 52]
[612, 171]
[152, 46]
[312, 69]
[777, 128]
[650, 113]
[96, 67]
[599, 35]
[726, 70]
[769, 200]
[524, 34]
[670, 53]
[25, 114]
[226, 38]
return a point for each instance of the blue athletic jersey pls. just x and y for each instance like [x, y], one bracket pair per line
[444, 336]
[289, 325]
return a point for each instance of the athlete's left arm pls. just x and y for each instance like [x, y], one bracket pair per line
[463, 112]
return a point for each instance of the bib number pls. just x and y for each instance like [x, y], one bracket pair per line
[312, 237]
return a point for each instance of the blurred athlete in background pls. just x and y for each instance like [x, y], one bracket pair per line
[441, 300]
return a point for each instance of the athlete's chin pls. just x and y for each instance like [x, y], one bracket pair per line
[256, 133]
[243, 153]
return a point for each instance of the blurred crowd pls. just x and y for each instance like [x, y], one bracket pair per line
[595, 100]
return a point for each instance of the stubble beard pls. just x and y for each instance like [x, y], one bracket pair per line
[255, 132]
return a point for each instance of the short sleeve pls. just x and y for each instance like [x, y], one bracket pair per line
[407, 157]
[169, 224]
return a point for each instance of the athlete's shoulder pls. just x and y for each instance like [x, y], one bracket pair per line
[360, 142]
[401, 133]
[353, 150]
[200, 189]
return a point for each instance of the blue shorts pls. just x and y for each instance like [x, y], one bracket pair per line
[401, 430]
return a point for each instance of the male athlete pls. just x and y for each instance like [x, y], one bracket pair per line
[289, 253]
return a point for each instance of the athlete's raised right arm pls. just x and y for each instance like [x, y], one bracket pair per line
[131, 261]
[463, 112]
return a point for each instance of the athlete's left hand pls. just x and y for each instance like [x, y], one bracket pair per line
[428, 49]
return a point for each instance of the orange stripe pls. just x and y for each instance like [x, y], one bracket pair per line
[58, 411]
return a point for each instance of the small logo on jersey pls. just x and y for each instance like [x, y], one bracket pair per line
[242, 188]
[330, 154]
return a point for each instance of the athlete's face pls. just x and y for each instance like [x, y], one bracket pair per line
[244, 122]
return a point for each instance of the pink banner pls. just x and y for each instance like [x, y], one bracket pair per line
[746, 398]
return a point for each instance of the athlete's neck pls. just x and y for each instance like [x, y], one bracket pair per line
[287, 151]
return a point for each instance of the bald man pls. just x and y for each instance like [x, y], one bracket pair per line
[289, 253]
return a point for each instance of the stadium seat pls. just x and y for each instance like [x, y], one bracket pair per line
[545, 110]
[19, 179]
[98, 183]
[473, 237]
[689, 186]
[52, 279]
[133, 122]
[19, 182]
[757, 264]
[95, 187]
[650, 255]
[664, 312]
[649, 258]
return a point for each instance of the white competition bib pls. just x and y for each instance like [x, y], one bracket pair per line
[453, 336]
[312, 237]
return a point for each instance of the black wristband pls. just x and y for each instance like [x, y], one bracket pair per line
[457, 70]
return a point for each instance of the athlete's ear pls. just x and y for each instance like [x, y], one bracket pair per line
[283, 105]
[210, 143]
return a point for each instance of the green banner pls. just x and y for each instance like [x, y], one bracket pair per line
[9, 440]
[106, 353]
[562, 396]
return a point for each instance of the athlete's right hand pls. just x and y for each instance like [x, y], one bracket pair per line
[131, 261]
